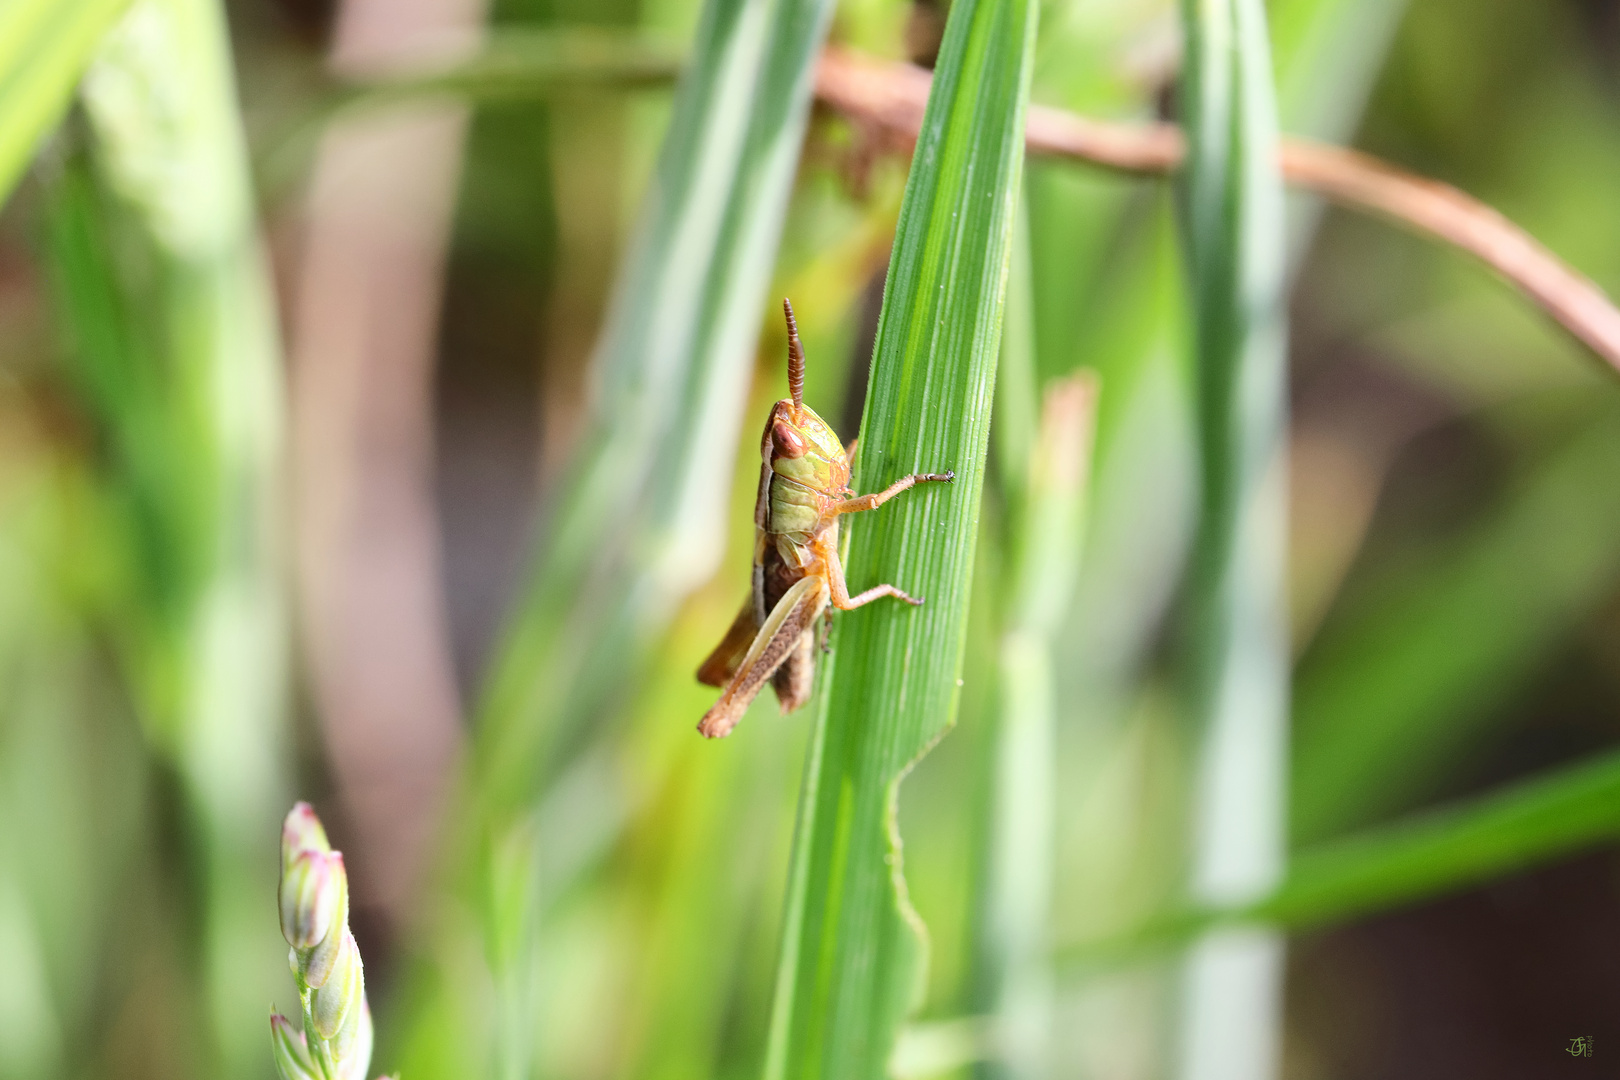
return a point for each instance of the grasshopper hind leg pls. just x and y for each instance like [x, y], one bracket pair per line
[796, 678]
[782, 636]
[722, 664]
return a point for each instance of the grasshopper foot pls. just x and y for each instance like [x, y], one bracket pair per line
[716, 727]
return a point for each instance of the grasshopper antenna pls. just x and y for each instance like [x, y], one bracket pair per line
[795, 359]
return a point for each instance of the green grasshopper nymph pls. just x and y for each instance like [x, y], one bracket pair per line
[803, 488]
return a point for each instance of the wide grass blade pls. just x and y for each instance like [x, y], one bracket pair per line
[851, 945]
[1237, 641]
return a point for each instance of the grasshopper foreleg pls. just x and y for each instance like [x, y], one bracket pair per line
[905, 483]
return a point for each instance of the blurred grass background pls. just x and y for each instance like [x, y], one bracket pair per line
[1454, 571]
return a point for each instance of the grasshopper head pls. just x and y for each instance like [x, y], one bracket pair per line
[804, 448]
[801, 445]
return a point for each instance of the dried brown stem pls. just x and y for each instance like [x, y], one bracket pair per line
[893, 95]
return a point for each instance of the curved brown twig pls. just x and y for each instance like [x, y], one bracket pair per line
[893, 95]
[1440, 210]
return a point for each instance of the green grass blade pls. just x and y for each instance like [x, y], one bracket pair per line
[512, 66]
[1528, 823]
[1238, 646]
[161, 101]
[640, 522]
[516, 64]
[1399, 687]
[44, 47]
[851, 954]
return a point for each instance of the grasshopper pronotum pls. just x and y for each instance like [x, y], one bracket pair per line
[803, 488]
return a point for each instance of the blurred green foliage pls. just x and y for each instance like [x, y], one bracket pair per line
[618, 906]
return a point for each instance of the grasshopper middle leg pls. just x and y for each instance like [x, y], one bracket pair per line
[838, 588]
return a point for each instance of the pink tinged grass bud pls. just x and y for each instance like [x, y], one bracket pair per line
[291, 1050]
[352, 1047]
[342, 994]
[318, 961]
[301, 831]
[310, 885]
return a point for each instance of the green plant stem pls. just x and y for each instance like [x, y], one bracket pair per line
[1046, 541]
[1044, 462]
[1237, 639]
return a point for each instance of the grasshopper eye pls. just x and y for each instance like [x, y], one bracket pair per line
[789, 443]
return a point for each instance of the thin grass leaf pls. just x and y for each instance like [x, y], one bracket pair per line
[1524, 825]
[1238, 645]
[852, 948]
[114, 363]
[1511, 830]
[514, 64]
[44, 47]
[511, 65]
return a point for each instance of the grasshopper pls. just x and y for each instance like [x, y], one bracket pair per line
[803, 490]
